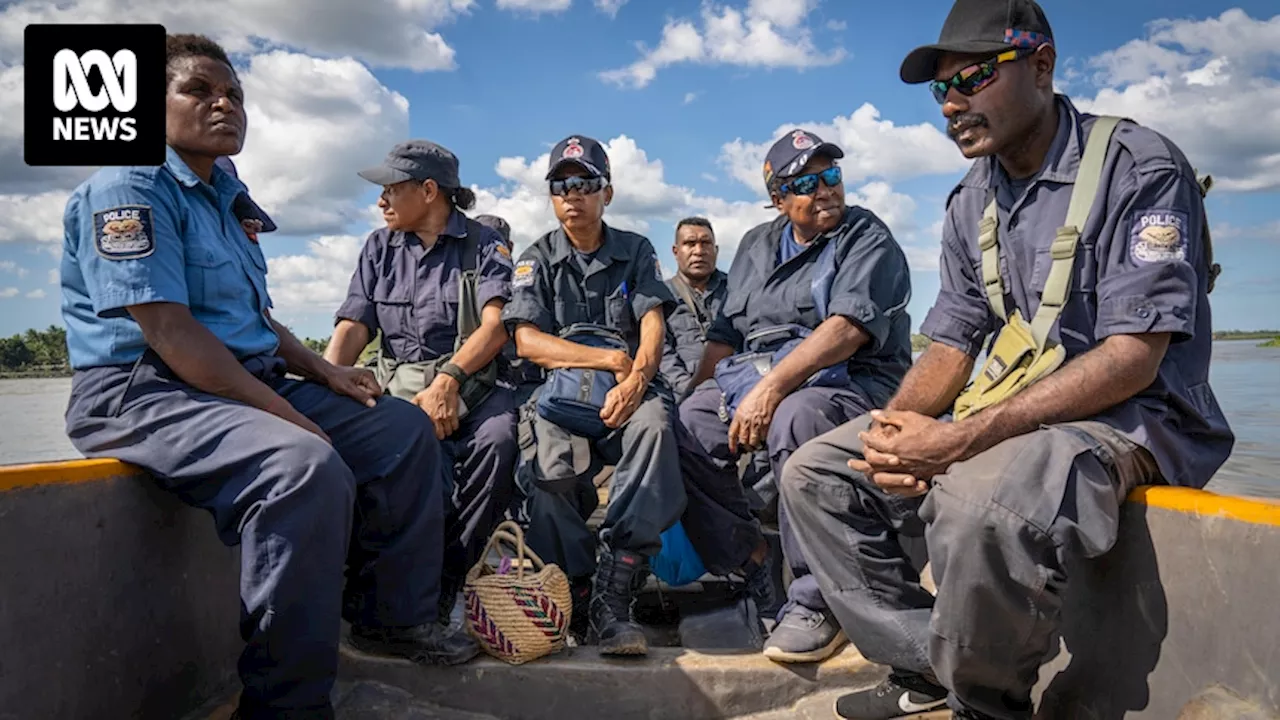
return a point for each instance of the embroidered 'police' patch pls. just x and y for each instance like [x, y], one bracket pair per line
[124, 233]
[523, 275]
[1158, 236]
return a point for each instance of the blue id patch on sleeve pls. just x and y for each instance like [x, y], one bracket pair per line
[1158, 236]
[124, 233]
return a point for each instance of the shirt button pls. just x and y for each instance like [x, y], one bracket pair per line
[1143, 312]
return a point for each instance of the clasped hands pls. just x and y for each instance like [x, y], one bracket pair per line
[903, 451]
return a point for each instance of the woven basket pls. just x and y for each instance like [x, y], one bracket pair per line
[517, 615]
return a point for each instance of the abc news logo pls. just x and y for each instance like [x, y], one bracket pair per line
[94, 95]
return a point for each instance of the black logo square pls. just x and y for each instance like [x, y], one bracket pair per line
[94, 95]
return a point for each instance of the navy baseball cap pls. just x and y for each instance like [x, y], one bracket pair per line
[583, 151]
[980, 26]
[496, 223]
[243, 206]
[789, 155]
[419, 160]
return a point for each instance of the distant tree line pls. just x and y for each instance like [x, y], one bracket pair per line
[35, 352]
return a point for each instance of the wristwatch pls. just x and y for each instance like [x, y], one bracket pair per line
[454, 372]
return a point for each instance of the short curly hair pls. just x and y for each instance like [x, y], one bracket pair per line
[177, 47]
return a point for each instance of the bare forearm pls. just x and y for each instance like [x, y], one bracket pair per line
[934, 381]
[834, 341]
[299, 359]
[713, 353]
[649, 354]
[1119, 368]
[348, 341]
[198, 358]
[550, 352]
[485, 344]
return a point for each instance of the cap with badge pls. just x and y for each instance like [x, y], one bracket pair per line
[789, 155]
[243, 206]
[978, 27]
[419, 160]
[582, 151]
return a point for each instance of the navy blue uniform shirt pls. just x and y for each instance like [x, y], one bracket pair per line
[1123, 283]
[411, 293]
[686, 336]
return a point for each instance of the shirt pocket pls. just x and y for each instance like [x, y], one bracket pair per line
[618, 315]
[212, 277]
[393, 304]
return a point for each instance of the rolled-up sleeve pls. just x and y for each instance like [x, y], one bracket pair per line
[531, 294]
[128, 244]
[1147, 277]
[873, 285]
[494, 273]
[359, 306]
[961, 316]
[650, 291]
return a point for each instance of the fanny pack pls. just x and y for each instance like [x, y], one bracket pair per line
[1023, 353]
[573, 397]
[406, 379]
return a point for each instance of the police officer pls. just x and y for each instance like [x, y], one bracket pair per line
[406, 285]
[699, 287]
[835, 276]
[180, 370]
[588, 272]
[1009, 497]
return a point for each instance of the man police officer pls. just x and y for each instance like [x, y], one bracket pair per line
[700, 289]
[1095, 231]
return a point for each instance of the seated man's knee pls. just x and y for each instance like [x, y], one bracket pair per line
[405, 420]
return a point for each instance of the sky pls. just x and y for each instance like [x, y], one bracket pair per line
[687, 97]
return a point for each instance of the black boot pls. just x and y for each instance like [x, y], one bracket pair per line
[580, 620]
[429, 644]
[619, 576]
[449, 590]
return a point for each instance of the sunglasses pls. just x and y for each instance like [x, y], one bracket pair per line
[808, 184]
[574, 183]
[971, 80]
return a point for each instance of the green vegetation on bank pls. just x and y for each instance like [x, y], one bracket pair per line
[1246, 334]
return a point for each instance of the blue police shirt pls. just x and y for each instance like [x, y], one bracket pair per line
[871, 287]
[410, 293]
[1122, 284]
[138, 235]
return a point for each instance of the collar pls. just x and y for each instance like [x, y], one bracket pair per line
[782, 225]
[610, 246]
[1061, 163]
[454, 227]
[221, 181]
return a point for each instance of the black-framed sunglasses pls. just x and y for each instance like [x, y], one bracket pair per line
[808, 184]
[575, 183]
[973, 79]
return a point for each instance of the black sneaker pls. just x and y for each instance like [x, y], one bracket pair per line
[804, 636]
[428, 644]
[899, 696]
[759, 581]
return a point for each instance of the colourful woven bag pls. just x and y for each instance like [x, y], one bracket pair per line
[517, 615]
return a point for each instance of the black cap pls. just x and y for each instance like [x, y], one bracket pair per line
[789, 155]
[419, 160]
[243, 206]
[582, 151]
[980, 26]
[496, 223]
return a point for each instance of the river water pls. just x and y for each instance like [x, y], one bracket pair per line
[1245, 377]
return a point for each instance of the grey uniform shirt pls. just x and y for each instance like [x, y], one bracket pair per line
[1122, 284]
[871, 287]
[686, 330]
[622, 282]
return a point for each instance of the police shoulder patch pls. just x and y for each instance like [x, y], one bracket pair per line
[522, 276]
[504, 251]
[124, 233]
[1158, 236]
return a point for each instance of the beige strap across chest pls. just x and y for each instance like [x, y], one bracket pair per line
[1063, 250]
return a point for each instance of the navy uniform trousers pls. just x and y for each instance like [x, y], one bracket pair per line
[723, 528]
[299, 508]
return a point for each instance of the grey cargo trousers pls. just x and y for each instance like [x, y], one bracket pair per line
[1001, 529]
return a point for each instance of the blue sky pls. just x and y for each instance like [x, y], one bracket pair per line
[499, 82]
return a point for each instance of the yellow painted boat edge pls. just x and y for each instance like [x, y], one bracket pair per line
[13, 477]
[1206, 504]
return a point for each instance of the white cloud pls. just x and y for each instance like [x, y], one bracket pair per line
[8, 292]
[401, 37]
[689, 97]
[12, 268]
[16, 177]
[1204, 84]
[873, 148]
[837, 25]
[316, 282]
[535, 6]
[55, 276]
[36, 294]
[610, 7]
[769, 33]
[32, 218]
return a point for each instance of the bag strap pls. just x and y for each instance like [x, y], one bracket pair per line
[514, 536]
[989, 244]
[1215, 269]
[686, 294]
[468, 300]
[1063, 250]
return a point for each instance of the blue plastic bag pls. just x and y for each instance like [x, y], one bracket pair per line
[677, 563]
